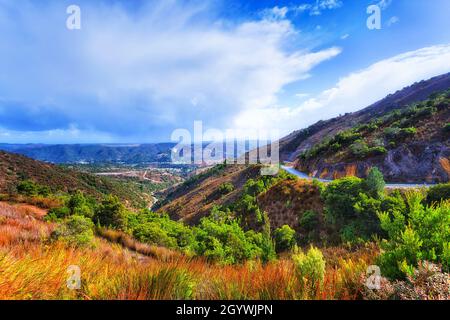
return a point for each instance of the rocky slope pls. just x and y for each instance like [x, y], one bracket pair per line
[404, 135]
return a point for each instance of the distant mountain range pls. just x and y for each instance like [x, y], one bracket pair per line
[94, 153]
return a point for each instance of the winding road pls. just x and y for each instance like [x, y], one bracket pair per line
[303, 175]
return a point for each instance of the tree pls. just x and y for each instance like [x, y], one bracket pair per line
[284, 238]
[76, 231]
[374, 183]
[78, 204]
[111, 213]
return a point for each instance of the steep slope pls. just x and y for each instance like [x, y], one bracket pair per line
[195, 198]
[284, 202]
[15, 168]
[403, 134]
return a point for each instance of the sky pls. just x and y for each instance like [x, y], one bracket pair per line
[138, 70]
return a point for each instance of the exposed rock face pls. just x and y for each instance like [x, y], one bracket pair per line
[423, 158]
[415, 163]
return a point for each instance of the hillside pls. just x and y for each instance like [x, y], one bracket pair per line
[405, 135]
[94, 153]
[195, 198]
[15, 168]
[285, 199]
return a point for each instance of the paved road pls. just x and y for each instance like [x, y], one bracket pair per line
[388, 185]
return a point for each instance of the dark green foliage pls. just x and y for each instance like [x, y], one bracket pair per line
[284, 238]
[111, 213]
[438, 193]
[352, 205]
[159, 229]
[78, 205]
[57, 213]
[309, 220]
[340, 140]
[30, 188]
[361, 150]
[374, 183]
[76, 231]
[226, 242]
[226, 188]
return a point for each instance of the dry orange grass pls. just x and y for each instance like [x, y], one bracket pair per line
[34, 269]
[22, 224]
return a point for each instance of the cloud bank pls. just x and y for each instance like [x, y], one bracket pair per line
[356, 90]
[135, 75]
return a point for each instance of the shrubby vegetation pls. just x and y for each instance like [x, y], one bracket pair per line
[75, 231]
[352, 205]
[438, 193]
[310, 268]
[226, 188]
[422, 233]
[284, 238]
[374, 138]
[30, 188]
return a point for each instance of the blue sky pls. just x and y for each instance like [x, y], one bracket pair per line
[137, 70]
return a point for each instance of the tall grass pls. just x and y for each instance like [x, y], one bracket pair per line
[31, 268]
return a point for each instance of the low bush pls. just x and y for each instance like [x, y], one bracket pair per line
[422, 233]
[310, 269]
[438, 193]
[75, 231]
[309, 220]
[226, 188]
[284, 238]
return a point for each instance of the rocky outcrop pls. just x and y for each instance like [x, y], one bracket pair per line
[414, 163]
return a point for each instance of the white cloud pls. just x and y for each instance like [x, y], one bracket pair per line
[345, 36]
[137, 75]
[317, 8]
[393, 20]
[357, 90]
[275, 13]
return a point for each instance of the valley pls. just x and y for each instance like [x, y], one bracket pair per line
[365, 189]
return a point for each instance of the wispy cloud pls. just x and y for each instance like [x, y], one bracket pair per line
[137, 75]
[358, 89]
[316, 8]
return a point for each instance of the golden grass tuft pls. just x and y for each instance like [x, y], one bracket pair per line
[121, 268]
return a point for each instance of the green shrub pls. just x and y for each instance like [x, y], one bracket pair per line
[309, 220]
[57, 213]
[374, 183]
[376, 151]
[151, 232]
[111, 213]
[438, 193]
[310, 267]
[421, 234]
[284, 238]
[226, 188]
[226, 242]
[75, 231]
[159, 229]
[30, 188]
[339, 197]
[359, 148]
[78, 205]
